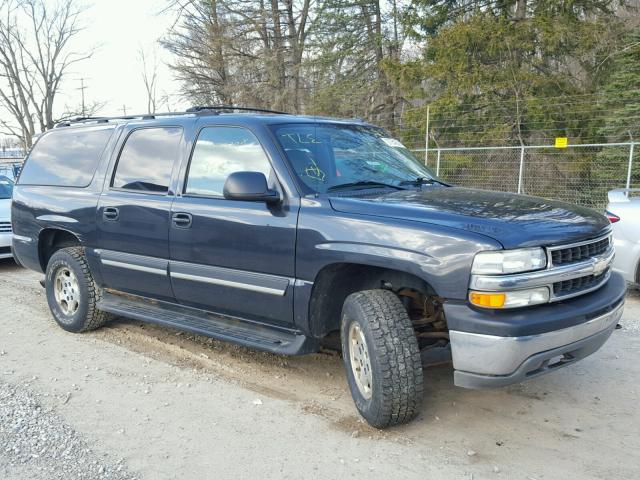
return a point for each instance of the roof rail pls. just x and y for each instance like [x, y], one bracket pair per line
[143, 116]
[206, 108]
[202, 110]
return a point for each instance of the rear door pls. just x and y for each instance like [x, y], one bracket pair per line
[229, 256]
[133, 213]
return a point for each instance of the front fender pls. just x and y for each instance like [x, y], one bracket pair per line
[421, 265]
[441, 256]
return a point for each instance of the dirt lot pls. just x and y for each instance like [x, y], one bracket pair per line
[137, 401]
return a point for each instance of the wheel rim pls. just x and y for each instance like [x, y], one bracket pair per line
[360, 362]
[67, 291]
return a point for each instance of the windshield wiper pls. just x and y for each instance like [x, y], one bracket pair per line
[421, 181]
[362, 183]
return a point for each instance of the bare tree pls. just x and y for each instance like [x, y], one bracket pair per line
[150, 79]
[89, 109]
[203, 53]
[242, 51]
[34, 57]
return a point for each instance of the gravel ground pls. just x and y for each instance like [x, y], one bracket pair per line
[147, 402]
[37, 443]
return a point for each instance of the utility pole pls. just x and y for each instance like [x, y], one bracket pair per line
[82, 89]
[124, 110]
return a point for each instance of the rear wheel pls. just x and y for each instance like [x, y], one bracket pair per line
[381, 357]
[72, 293]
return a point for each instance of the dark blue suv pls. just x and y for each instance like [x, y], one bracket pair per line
[284, 233]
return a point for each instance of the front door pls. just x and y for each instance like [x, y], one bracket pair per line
[228, 256]
[134, 212]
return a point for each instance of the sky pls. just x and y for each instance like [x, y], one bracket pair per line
[116, 30]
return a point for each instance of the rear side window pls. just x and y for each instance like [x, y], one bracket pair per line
[219, 152]
[66, 158]
[147, 158]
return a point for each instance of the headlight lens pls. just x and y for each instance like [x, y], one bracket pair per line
[509, 261]
[518, 298]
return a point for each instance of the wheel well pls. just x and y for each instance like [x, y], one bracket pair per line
[52, 240]
[334, 283]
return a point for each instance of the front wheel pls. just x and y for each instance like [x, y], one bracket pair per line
[381, 357]
[72, 293]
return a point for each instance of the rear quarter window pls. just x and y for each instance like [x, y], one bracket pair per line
[65, 158]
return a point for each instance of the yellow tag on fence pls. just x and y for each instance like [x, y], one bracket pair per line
[562, 142]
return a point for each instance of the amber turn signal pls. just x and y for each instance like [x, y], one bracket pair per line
[491, 300]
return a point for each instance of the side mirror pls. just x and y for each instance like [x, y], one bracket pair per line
[249, 186]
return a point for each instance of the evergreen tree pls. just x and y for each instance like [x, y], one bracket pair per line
[497, 72]
[622, 93]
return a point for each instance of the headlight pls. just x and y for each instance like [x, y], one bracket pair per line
[509, 261]
[517, 298]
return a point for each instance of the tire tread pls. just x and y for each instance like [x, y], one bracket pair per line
[398, 355]
[94, 318]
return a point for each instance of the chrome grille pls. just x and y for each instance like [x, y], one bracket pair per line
[572, 270]
[5, 227]
[578, 253]
[576, 285]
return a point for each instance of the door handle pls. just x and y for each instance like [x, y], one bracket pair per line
[182, 220]
[110, 214]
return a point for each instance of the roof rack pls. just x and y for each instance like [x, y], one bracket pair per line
[198, 110]
[145, 116]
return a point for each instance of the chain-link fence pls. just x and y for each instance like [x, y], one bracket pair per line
[581, 174]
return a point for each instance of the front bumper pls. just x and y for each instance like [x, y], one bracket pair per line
[5, 245]
[488, 360]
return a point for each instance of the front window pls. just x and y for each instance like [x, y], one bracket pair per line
[331, 157]
[219, 152]
[6, 188]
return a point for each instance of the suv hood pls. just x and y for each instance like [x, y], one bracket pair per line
[513, 220]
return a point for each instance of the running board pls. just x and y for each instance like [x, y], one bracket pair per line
[248, 334]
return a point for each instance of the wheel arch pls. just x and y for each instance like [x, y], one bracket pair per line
[51, 240]
[336, 281]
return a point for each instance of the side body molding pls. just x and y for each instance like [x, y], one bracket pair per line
[227, 277]
[256, 282]
[139, 263]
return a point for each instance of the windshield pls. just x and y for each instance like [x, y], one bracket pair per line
[329, 157]
[6, 188]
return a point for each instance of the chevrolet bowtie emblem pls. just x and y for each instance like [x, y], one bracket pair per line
[600, 265]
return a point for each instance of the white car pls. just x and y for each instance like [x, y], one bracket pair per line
[6, 189]
[623, 212]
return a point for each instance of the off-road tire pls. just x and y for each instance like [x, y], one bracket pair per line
[87, 316]
[397, 379]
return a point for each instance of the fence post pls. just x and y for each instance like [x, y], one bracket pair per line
[438, 164]
[521, 169]
[426, 139]
[630, 165]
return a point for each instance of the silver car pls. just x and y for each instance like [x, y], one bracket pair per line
[623, 211]
[6, 187]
